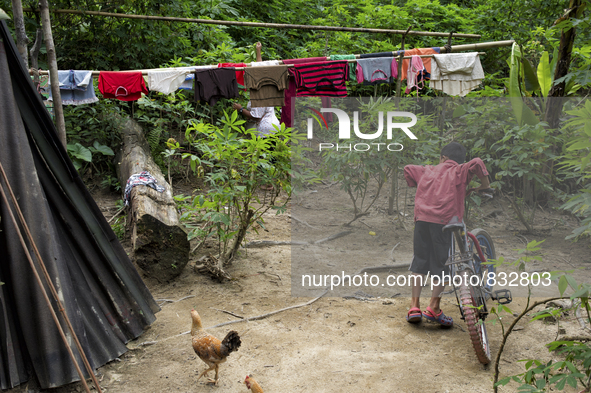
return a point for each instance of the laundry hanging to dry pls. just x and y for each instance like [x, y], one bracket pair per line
[76, 87]
[377, 70]
[267, 85]
[122, 85]
[319, 79]
[213, 84]
[456, 74]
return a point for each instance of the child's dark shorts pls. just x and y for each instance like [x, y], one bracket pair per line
[431, 249]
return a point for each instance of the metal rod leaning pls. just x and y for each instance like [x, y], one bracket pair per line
[49, 284]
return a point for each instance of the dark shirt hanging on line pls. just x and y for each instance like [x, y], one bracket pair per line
[378, 54]
[216, 83]
[239, 73]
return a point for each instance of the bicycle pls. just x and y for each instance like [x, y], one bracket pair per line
[474, 288]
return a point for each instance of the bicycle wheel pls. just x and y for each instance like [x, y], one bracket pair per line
[488, 248]
[478, 334]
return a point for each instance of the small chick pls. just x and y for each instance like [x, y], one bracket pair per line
[252, 384]
[209, 348]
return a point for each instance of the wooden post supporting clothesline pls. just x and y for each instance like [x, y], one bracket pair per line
[398, 94]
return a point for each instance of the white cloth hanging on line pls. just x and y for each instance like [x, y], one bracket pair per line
[266, 63]
[166, 81]
[456, 74]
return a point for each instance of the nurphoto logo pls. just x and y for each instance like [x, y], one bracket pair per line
[345, 129]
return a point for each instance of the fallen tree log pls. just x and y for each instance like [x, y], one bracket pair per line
[160, 245]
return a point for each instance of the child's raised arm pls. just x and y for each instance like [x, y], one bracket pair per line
[484, 184]
[412, 174]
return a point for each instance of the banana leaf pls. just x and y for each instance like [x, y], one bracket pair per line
[545, 74]
[531, 80]
[523, 113]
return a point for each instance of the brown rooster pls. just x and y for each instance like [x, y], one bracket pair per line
[210, 349]
[252, 384]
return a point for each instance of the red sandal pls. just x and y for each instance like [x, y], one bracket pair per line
[440, 318]
[414, 315]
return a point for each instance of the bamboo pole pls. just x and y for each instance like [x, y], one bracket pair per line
[393, 186]
[256, 24]
[480, 45]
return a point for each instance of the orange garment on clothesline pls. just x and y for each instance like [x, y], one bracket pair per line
[418, 52]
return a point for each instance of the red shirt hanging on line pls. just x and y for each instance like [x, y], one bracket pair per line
[122, 85]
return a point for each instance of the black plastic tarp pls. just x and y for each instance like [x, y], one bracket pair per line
[102, 293]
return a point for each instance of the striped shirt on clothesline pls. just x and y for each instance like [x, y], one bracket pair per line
[321, 79]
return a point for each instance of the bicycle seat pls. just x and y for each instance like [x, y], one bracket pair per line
[453, 224]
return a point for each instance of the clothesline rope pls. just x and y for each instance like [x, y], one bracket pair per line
[145, 72]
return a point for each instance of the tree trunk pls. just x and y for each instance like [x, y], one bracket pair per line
[19, 26]
[227, 258]
[555, 102]
[53, 78]
[567, 38]
[393, 198]
[160, 244]
[35, 56]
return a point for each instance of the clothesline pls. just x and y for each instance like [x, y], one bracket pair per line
[452, 49]
[145, 72]
[271, 85]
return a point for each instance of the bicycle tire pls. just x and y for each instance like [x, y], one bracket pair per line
[488, 248]
[477, 331]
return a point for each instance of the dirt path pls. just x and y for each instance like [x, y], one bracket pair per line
[334, 344]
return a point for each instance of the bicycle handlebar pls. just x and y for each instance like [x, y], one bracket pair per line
[487, 192]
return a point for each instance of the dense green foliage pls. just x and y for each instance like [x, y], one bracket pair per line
[531, 163]
[237, 163]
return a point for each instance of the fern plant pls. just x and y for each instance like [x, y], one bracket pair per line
[577, 160]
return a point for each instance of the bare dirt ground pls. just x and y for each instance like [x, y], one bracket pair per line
[336, 344]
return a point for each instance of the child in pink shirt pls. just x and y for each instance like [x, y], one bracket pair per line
[441, 190]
